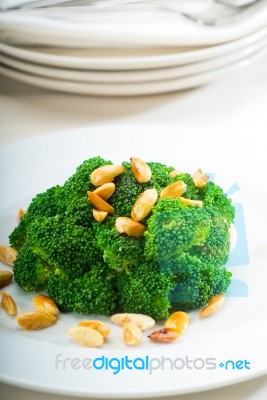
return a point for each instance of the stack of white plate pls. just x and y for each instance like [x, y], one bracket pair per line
[120, 53]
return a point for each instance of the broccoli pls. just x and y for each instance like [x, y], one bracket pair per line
[145, 289]
[89, 267]
[19, 235]
[30, 271]
[47, 204]
[193, 244]
[119, 250]
[64, 245]
[79, 183]
[93, 293]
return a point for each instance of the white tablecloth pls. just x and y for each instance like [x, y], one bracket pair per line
[236, 102]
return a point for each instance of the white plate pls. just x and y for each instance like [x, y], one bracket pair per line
[135, 76]
[134, 28]
[126, 59]
[132, 88]
[237, 332]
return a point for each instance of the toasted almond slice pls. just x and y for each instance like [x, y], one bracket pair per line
[214, 305]
[177, 322]
[5, 278]
[143, 321]
[144, 204]
[189, 202]
[106, 174]
[8, 255]
[21, 213]
[99, 326]
[141, 170]
[100, 216]
[100, 204]
[45, 304]
[8, 304]
[132, 334]
[174, 190]
[105, 191]
[174, 173]
[130, 227]
[200, 179]
[35, 320]
[86, 336]
[164, 336]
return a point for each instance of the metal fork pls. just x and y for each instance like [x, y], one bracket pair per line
[230, 12]
[222, 11]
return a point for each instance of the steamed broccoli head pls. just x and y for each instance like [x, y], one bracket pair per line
[194, 288]
[63, 244]
[47, 204]
[193, 244]
[30, 271]
[145, 289]
[214, 196]
[93, 293]
[18, 236]
[79, 183]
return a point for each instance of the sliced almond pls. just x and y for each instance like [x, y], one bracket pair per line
[177, 322]
[100, 216]
[8, 255]
[105, 191]
[144, 204]
[130, 227]
[86, 336]
[174, 190]
[8, 304]
[143, 321]
[174, 173]
[5, 278]
[189, 202]
[99, 326]
[106, 174]
[35, 320]
[100, 204]
[132, 334]
[141, 170]
[214, 305]
[164, 336]
[21, 213]
[45, 304]
[200, 179]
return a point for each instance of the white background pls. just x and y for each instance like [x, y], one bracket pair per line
[237, 102]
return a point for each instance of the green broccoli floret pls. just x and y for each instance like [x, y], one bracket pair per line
[19, 235]
[64, 245]
[119, 250]
[193, 244]
[160, 175]
[145, 289]
[30, 271]
[213, 195]
[92, 293]
[80, 211]
[195, 288]
[192, 191]
[127, 192]
[47, 204]
[79, 183]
